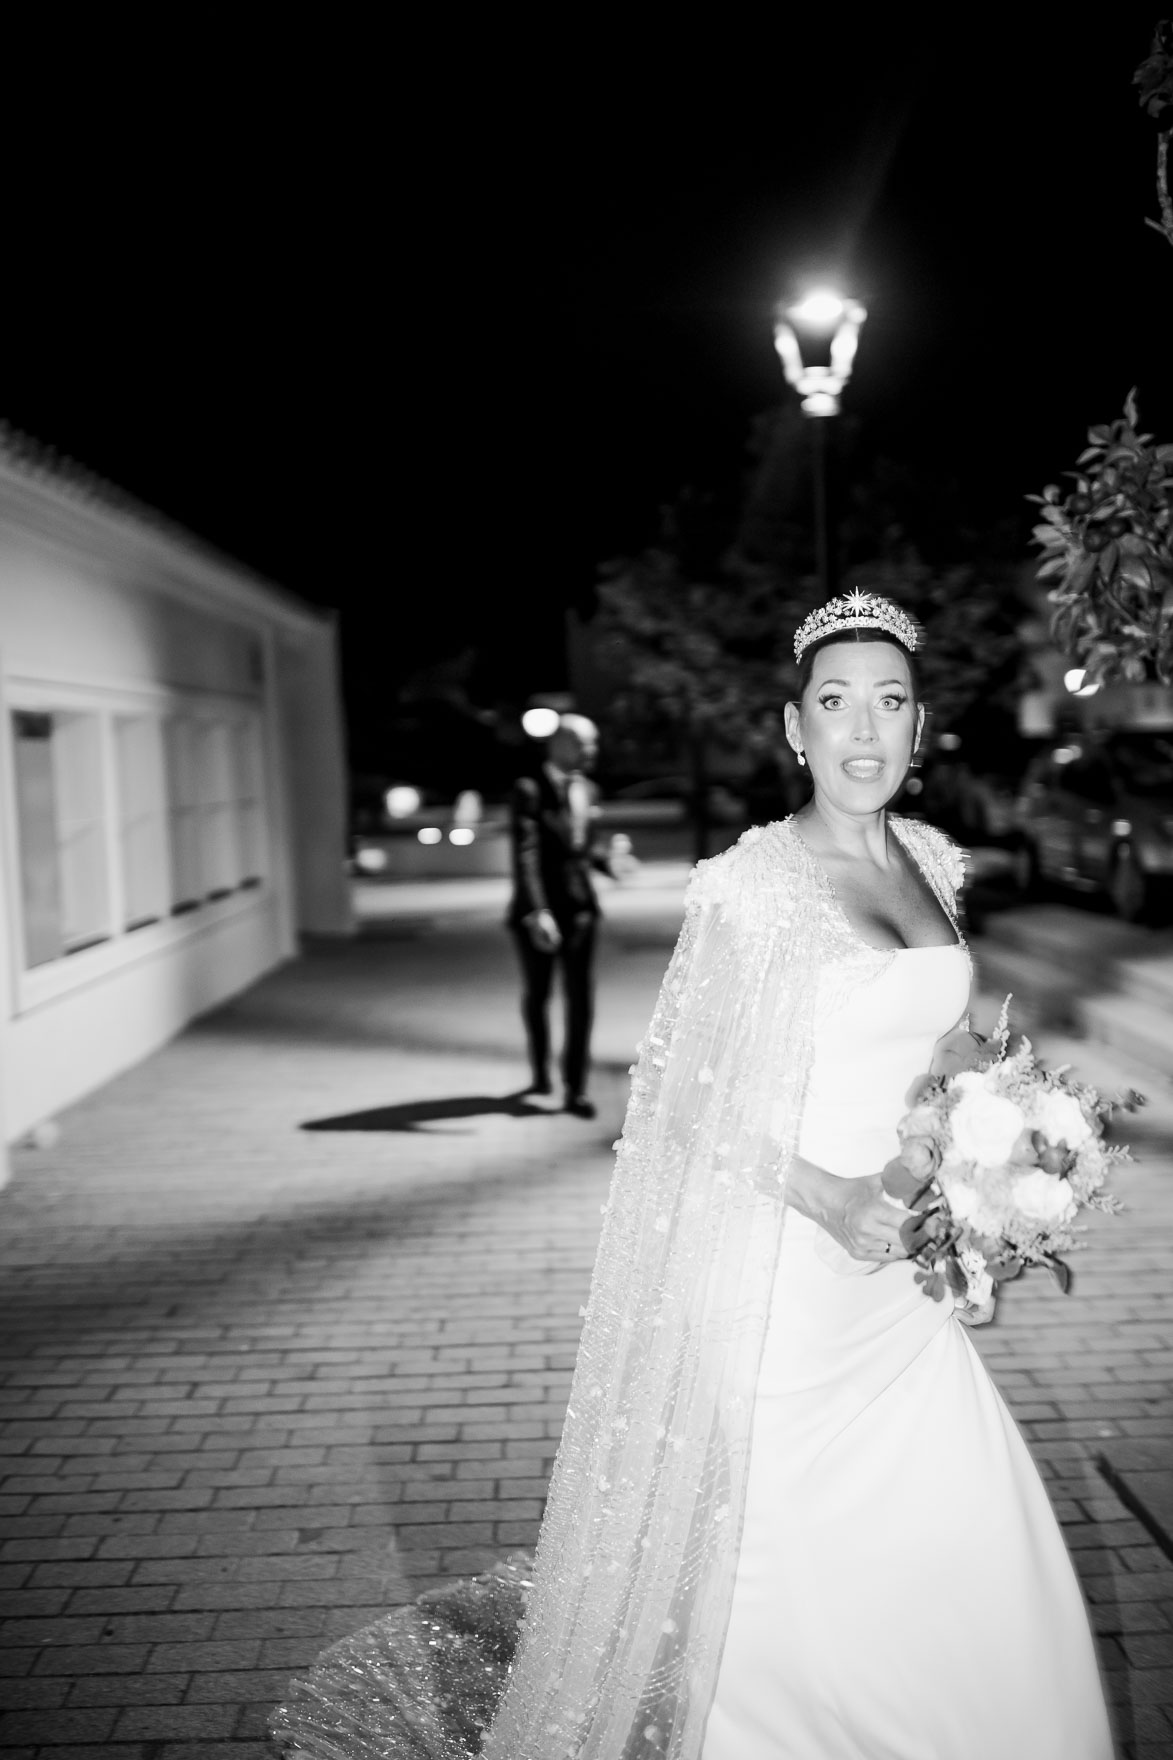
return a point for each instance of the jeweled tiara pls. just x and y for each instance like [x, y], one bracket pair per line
[856, 610]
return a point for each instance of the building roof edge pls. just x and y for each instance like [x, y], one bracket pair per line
[72, 495]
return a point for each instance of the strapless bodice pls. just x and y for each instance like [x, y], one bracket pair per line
[870, 1041]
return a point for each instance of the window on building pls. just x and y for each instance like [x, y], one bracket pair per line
[142, 812]
[250, 804]
[181, 739]
[215, 808]
[36, 814]
[219, 843]
[172, 815]
[60, 803]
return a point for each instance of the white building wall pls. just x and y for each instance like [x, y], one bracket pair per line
[144, 664]
[62, 1049]
[311, 727]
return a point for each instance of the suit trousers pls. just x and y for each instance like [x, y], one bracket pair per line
[576, 956]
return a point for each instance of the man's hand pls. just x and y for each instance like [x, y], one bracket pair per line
[543, 931]
[622, 862]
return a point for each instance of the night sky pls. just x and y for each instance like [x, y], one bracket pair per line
[426, 333]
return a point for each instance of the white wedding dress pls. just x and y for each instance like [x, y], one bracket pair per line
[903, 1590]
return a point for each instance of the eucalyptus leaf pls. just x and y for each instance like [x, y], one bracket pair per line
[1060, 1272]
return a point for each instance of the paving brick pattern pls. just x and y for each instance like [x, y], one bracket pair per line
[261, 1383]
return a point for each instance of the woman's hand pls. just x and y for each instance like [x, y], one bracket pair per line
[867, 1223]
[958, 1050]
[855, 1212]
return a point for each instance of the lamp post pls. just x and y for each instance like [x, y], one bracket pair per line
[828, 325]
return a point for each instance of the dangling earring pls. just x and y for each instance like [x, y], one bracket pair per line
[800, 757]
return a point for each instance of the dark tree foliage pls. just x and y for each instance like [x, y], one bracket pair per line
[1108, 557]
[1107, 553]
[1154, 76]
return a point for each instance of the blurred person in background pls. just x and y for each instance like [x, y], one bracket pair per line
[554, 912]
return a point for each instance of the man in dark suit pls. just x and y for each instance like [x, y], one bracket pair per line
[554, 912]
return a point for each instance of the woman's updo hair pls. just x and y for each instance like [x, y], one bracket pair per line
[807, 663]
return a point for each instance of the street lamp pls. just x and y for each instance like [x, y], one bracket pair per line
[540, 722]
[827, 325]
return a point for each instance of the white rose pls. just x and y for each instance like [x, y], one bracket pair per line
[1039, 1194]
[985, 1127]
[1060, 1118]
[966, 1205]
[963, 1201]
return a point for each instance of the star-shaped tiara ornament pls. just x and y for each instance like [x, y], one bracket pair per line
[856, 610]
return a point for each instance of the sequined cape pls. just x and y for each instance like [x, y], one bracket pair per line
[633, 1579]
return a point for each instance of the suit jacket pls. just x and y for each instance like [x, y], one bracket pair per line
[549, 874]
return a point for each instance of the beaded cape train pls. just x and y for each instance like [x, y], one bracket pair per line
[633, 1581]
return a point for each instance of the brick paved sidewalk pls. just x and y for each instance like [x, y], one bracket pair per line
[264, 1382]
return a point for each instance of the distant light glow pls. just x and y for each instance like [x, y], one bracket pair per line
[1122, 828]
[949, 742]
[468, 807]
[914, 785]
[1073, 682]
[821, 308]
[462, 834]
[401, 801]
[430, 834]
[371, 861]
[1066, 754]
[540, 723]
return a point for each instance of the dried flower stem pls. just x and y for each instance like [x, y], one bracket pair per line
[1165, 224]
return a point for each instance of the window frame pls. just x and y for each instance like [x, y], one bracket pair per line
[122, 945]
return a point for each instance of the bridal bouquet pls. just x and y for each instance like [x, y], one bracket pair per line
[995, 1164]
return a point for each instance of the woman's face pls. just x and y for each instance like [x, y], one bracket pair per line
[858, 724]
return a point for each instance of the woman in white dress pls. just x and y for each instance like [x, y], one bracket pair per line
[903, 1591]
[791, 1518]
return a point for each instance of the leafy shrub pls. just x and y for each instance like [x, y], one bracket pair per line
[1106, 547]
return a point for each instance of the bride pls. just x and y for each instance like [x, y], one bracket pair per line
[790, 1518]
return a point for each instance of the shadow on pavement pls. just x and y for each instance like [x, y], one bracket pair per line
[411, 1113]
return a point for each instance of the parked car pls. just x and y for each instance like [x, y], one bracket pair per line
[401, 831]
[1096, 814]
